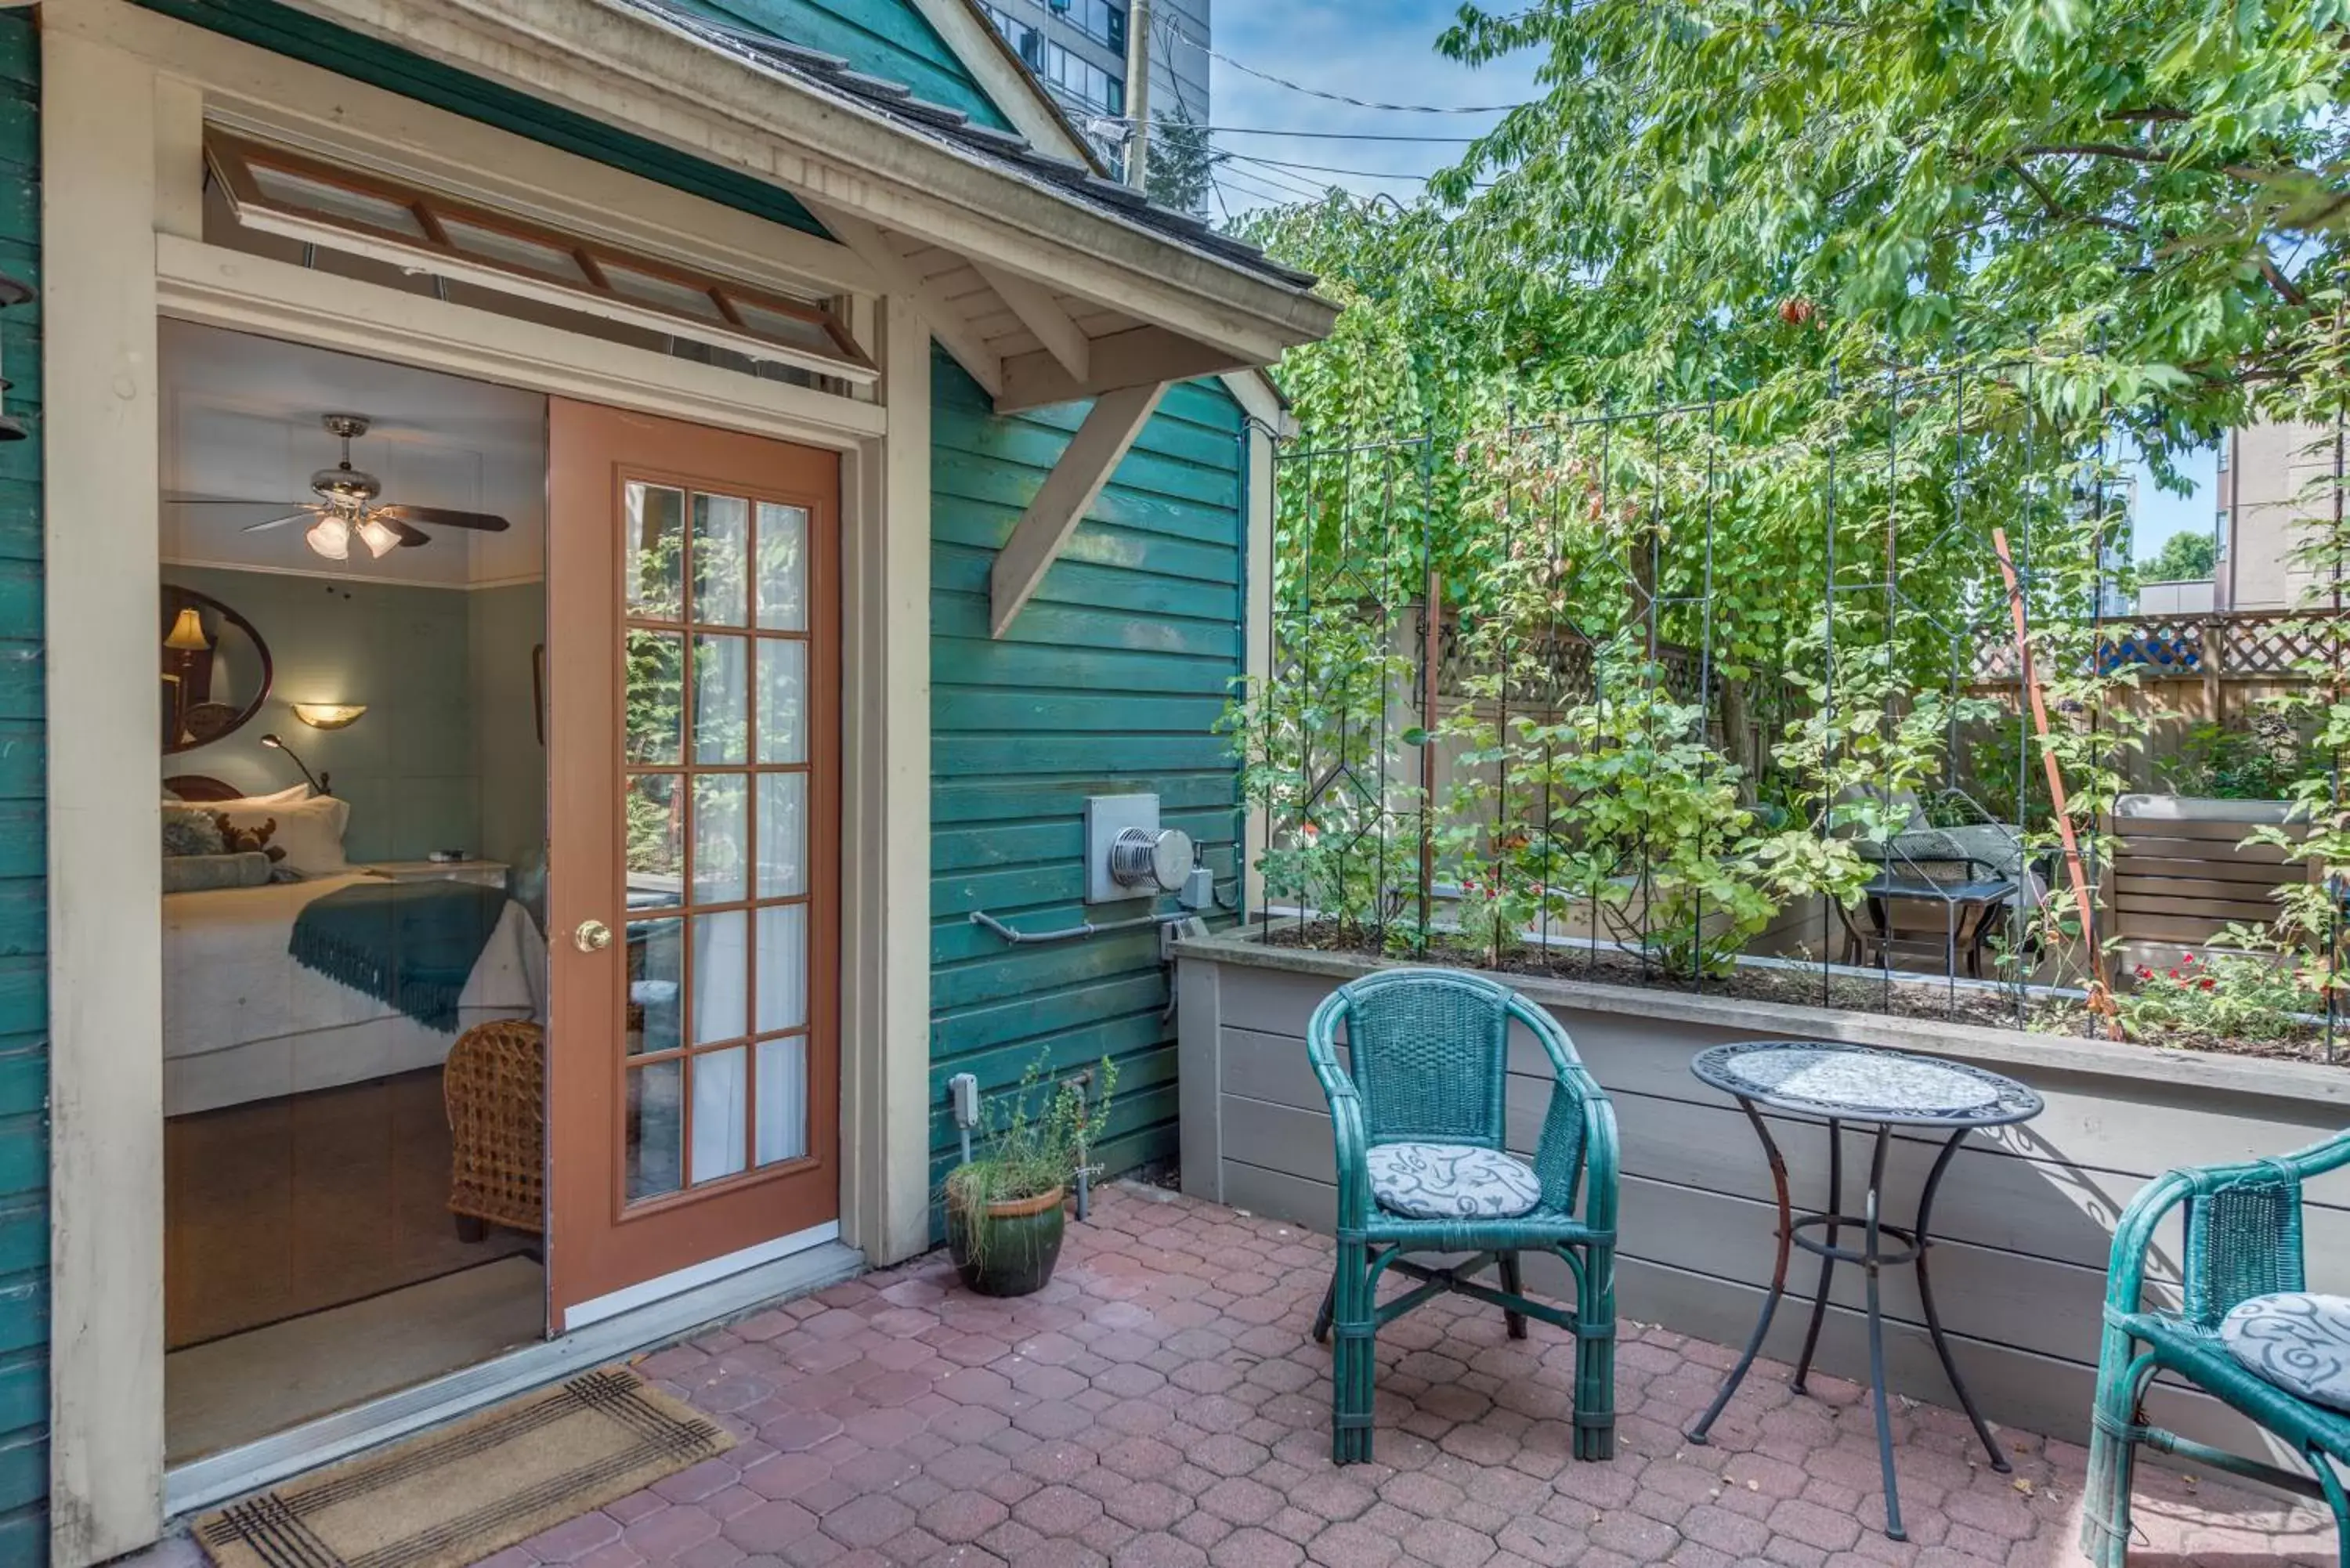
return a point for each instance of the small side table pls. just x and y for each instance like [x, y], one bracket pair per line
[1886, 1089]
[488, 873]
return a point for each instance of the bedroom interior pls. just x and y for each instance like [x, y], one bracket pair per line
[352, 624]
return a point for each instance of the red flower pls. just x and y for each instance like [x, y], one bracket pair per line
[2206, 984]
[2186, 958]
[2143, 973]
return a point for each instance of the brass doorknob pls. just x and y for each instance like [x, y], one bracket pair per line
[592, 936]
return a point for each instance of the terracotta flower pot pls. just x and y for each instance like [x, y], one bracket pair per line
[1008, 1248]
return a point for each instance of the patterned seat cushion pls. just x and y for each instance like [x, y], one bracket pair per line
[1452, 1181]
[2299, 1342]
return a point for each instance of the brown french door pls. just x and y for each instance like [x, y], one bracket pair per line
[693, 743]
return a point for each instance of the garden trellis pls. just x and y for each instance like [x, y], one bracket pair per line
[1714, 688]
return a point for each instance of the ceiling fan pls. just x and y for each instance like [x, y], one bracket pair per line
[346, 508]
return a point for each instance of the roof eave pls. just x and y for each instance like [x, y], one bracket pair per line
[612, 61]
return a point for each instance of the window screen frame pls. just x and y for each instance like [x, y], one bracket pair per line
[233, 158]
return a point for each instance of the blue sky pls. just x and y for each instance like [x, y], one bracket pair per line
[1381, 50]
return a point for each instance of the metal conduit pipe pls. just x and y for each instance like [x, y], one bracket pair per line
[1071, 933]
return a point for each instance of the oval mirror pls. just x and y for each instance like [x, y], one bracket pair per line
[215, 669]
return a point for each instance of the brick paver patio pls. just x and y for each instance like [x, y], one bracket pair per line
[1161, 1404]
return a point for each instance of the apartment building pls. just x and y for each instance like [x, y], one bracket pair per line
[2276, 482]
[1078, 49]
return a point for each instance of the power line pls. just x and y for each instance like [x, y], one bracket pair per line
[1332, 135]
[1353, 173]
[1309, 135]
[1176, 32]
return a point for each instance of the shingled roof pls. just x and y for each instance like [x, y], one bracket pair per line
[1007, 150]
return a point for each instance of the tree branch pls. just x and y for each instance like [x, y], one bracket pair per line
[2284, 286]
[2150, 156]
[2056, 211]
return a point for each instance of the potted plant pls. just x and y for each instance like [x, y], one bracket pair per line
[1003, 1204]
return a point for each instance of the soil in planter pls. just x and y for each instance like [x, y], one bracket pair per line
[1917, 997]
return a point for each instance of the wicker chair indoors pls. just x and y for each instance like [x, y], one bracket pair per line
[1418, 1112]
[495, 1088]
[2244, 1334]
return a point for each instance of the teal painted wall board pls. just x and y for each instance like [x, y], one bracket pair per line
[24, 904]
[1110, 681]
[447, 755]
[887, 38]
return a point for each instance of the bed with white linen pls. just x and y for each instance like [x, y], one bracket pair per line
[242, 1021]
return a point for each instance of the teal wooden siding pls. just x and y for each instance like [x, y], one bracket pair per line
[282, 30]
[24, 907]
[881, 37]
[1110, 681]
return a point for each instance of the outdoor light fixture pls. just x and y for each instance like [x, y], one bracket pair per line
[12, 291]
[317, 781]
[330, 715]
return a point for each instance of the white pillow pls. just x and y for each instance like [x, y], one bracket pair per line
[310, 831]
[294, 797]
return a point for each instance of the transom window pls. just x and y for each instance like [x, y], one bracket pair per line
[287, 193]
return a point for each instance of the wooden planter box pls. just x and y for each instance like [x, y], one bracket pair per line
[2181, 872]
[2022, 1226]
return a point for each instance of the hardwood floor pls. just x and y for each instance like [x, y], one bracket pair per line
[283, 1207]
[248, 1386]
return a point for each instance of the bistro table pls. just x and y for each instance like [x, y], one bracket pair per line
[1886, 1089]
[1970, 913]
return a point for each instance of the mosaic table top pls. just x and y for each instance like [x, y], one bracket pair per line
[1863, 1083]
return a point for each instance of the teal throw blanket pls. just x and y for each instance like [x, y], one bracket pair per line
[412, 945]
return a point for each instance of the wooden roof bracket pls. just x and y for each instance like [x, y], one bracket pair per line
[1092, 455]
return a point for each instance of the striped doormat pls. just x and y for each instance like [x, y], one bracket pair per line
[456, 1494]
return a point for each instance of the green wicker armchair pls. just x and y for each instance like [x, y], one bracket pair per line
[2243, 1238]
[1428, 1051]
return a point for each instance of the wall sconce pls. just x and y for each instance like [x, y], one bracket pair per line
[330, 715]
[317, 781]
[12, 291]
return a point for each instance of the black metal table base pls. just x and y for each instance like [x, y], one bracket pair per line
[1872, 1258]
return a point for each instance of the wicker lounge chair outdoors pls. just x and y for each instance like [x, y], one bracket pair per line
[1418, 1123]
[2243, 1244]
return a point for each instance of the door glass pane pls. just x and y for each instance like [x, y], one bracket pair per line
[656, 983]
[653, 565]
[721, 699]
[654, 1129]
[656, 705]
[782, 566]
[718, 1113]
[722, 974]
[656, 840]
[782, 691]
[783, 967]
[721, 838]
[722, 541]
[782, 1129]
[719, 1092]
[783, 835]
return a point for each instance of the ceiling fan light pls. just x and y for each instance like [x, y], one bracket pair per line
[330, 537]
[378, 536]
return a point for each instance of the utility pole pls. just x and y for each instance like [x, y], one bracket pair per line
[1137, 92]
